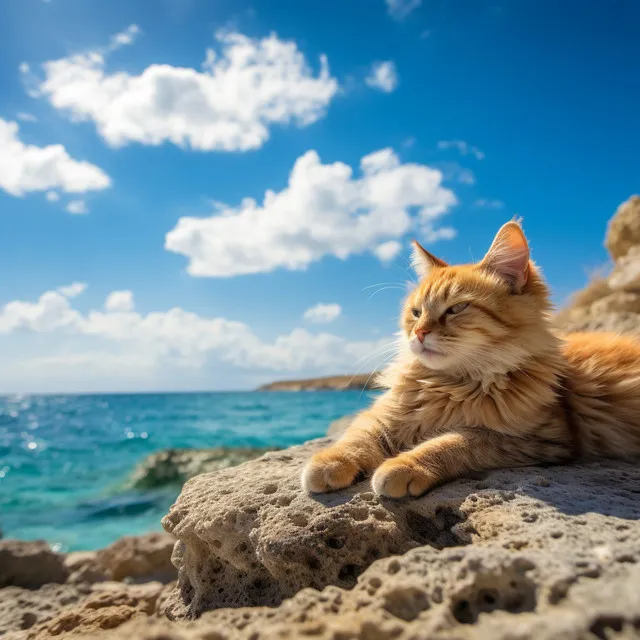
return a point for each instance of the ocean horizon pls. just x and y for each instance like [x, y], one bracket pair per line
[66, 459]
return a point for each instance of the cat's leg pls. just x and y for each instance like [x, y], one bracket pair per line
[454, 454]
[362, 448]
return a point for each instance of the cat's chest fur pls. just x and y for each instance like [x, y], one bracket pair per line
[511, 403]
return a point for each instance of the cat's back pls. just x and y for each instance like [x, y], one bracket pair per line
[604, 377]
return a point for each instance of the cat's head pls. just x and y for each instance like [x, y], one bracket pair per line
[478, 318]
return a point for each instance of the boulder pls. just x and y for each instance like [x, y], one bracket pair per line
[626, 273]
[139, 558]
[109, 605]
[21, 609]
[623, 231]
[30, 564]
[257, 543]
[176, 466]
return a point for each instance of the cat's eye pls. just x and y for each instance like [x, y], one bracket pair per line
[416, 313]
[457, 308]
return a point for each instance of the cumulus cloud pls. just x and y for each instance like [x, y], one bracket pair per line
[387, 251]
[322, 313]
[25, 167]
[323, 211]
[52, 196]
[464, 148]
[72, 290]
[119, 301]
[400, 9]
[77, 207]
[383, 76]
[243, 89]
[177, 338]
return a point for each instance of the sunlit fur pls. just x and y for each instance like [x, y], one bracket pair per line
[492, 387]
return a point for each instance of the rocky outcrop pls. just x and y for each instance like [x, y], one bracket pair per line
[176, 466]
[30, 564]
[329, 383]
[623, 231]
[612, 302]
[54, 595]
[545, 553]
[139, 558]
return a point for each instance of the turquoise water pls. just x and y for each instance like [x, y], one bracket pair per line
[64, 460]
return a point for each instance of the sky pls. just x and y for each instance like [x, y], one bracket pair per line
[200, 195]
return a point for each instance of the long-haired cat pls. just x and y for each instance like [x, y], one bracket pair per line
[482, 382]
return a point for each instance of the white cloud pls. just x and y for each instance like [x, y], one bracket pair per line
[464, 148]
[387, 251]
[125, 37]
[119, 301]
[115, 341]
[400, 9]
[323, 211]
[77, 207]
[24, 67]
[322, 313]
[52, 196]
[241, 92]
[483, 203]
[72, 290]
[26, 117]
[25, 168]
[429, 235]
[383, 76]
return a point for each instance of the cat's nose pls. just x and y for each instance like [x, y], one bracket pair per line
[422, 333]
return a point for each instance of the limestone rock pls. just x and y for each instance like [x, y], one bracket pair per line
[84, 567]
[21, 609]
[360, 381]
[176, 466]
[139, 558]
[539, 553]
[626, 273]
[110, 605]
[260, 541]
[30, 564]
[619, 301]
[623, 231]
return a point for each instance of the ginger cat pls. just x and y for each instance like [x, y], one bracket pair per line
[482, 382]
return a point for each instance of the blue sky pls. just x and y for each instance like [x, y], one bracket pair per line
[473, 111]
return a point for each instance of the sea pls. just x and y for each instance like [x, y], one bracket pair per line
[65, 461]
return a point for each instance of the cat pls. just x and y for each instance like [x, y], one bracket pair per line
[481, 381]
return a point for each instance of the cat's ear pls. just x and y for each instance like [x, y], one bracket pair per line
[423, 261]
[508, 256]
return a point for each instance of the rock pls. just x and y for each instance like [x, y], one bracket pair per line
[110, 605]
[255, 544]
[626, 273]
[21, 609]
[30, 564]
[544, 553]
[360, 382]
[176, 466]
[139, 558]
[84, 567]
[623, 231]
[611, 303]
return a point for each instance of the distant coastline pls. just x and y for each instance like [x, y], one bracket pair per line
[328, 383]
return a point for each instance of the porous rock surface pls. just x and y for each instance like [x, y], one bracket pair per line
[30, 564]
[528, 553]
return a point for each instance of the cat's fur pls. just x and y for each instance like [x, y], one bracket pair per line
[488, 385]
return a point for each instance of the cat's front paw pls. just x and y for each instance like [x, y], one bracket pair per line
[328, 471]
[397, 478]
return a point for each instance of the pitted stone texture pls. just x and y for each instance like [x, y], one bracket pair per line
[554, 554]
[250, 536]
